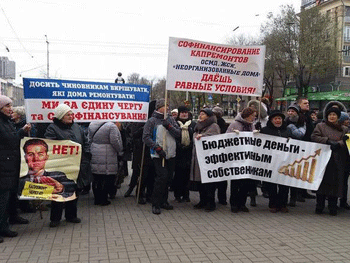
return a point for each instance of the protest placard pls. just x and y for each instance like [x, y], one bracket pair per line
[89, 100]
[214, 68]
[262, 157]
[49, 169]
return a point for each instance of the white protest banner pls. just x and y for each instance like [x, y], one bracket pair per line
[214, 68]
[88, 100]
[49, 169]
[262, 157]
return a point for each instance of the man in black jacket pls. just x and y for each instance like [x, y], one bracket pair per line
[304, 106]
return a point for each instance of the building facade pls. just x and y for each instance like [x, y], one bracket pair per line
[338, 86]
[7, 68]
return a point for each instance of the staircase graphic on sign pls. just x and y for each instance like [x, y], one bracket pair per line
[301, 169]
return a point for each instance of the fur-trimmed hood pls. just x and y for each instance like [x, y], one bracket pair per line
[255, 105]
[331, 104]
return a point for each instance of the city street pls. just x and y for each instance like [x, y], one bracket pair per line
[126, 232]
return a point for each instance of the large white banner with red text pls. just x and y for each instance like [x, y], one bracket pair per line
[89, 100]
[213, 68]
[262, 157]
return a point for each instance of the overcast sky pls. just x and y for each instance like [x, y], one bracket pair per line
[94, 40]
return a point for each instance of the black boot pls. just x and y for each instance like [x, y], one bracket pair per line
[128, 193]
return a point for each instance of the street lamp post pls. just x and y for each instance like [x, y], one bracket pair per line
[48, 57]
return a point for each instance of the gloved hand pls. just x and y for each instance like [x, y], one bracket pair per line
[258, 125]
[160, 152]
[334, 145]
[166, 124]
[345, 138]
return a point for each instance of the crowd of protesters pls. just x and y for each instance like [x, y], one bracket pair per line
[164, 157]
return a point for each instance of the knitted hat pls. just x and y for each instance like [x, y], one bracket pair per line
[343, 117]
[160, 103]
[182, 109]
[275, 113]
[333, 109]
[218, 111]
[4, 100]
[208, 111]
[294, 107]
[174, 110]
[61, 110]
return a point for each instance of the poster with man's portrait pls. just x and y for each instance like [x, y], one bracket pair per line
[49, 169]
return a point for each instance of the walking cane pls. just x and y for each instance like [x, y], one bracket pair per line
[141, 171]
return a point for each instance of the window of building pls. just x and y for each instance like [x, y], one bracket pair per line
[346, 50]
[346, 71]
[347, 33]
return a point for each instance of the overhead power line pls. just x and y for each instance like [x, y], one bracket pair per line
[14, 31]
[107, 53]
[91, 43]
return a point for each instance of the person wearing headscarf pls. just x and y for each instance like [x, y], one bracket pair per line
[240, 188]
[206, 126]
[64, 128]
[9, 163]
[330, 132]
[184, 146]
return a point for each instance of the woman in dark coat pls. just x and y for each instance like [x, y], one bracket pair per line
[332, 133]
[240, 188]
[184, 146]
[278, 194]
[9, 162]
[206, 126]
[63, 128]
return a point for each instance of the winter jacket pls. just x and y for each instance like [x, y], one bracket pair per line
[206, 128]
[222, 124]
[270, 129]
[240, 124]
[9, 154]
[153, 135]
[333, 179]
[296, 129]
[105, 146]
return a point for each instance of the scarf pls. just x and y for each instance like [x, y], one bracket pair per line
[185, 135]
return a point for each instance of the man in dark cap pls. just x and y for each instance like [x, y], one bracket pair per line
[159, 135]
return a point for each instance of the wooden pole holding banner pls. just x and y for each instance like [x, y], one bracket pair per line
[141, 172]
[165, 113]
[259, 119]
